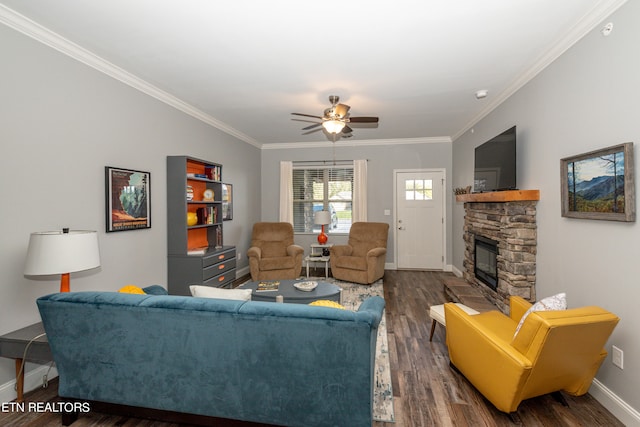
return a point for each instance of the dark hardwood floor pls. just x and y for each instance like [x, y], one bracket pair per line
[427, 392]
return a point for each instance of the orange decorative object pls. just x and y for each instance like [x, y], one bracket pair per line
[65, 285]
[322, 238]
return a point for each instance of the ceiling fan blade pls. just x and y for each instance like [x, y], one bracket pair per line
[341, 110]
[303, 120]
[312, 131]
[364, 125]
[312, 126]
[363, 119]
[307, 115]
[346, 129]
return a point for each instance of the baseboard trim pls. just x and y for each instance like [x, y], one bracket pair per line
[455, 271]
[618, 407]
[242, 271]
[32, 380]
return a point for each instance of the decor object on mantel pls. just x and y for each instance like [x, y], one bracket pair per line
[322, 218]
[62, 252]
[462, 190]
[600, 184]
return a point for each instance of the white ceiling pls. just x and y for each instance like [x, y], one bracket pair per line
[244, 66]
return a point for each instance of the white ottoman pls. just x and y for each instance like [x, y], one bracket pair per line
[436, 312]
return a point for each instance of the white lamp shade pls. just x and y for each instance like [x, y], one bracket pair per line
[56, 252]
[333, 126]
[322, 217]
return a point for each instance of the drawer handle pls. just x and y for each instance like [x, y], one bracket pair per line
[221, 266]
[220, 256]
[221, 279]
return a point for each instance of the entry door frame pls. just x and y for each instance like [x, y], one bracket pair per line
[396, 172]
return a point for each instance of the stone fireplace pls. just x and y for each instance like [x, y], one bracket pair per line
[508, 219]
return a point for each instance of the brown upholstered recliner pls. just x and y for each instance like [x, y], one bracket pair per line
[553, 351]
[362, 259]
[272, 254]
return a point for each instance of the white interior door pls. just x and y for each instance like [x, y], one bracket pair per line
[420, 219]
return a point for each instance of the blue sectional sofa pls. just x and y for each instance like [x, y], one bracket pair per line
[282, 364]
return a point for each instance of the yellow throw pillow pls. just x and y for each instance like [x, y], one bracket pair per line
[327, 303]
[131, 289]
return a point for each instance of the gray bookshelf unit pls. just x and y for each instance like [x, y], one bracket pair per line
[195, 238]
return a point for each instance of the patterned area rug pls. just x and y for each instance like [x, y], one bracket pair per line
[352, 296]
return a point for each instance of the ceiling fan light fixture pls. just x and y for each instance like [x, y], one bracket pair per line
[333, 126]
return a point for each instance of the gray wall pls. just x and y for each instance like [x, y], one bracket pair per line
[586, 100]
[61, 123]
[383, 160]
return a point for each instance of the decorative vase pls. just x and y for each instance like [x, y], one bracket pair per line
[192, 218]
[322, 238]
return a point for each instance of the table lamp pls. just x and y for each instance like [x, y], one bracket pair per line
[323, 218]
[62, 252]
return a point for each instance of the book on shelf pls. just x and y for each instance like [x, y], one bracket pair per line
[267, 286]
[197, 175]
[198, 251]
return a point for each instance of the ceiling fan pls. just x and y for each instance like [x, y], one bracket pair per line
[335, 119]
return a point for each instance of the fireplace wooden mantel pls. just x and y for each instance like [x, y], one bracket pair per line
[500, 196]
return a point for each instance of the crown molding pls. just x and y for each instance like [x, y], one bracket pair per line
[37, 32]
[357, 143]
[55, 41]
[590, 20]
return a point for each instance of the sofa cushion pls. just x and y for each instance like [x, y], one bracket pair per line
[555, 302]
[273, 249]
[352, 262]
[155, 290]
[211, 292]
[360, 248]
[277, 263]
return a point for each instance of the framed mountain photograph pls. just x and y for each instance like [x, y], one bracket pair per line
[600, 184]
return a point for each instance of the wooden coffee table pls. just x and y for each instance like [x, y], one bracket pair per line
[324, 290]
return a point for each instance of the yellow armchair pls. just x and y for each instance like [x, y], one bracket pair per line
[553, 351]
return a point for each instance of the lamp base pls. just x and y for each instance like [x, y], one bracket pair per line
[322, 238]
[65, 283]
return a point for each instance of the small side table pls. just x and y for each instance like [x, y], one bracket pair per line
[308, 259]
[436, 312]
[319, 253]
[13, 344]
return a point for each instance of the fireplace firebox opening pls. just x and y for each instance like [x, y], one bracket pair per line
[486, 266]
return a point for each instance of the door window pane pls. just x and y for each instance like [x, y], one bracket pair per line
[418, 189]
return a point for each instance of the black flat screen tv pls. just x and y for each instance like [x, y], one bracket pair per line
[495, 163]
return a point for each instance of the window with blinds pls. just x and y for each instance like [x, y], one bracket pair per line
[327, 188]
